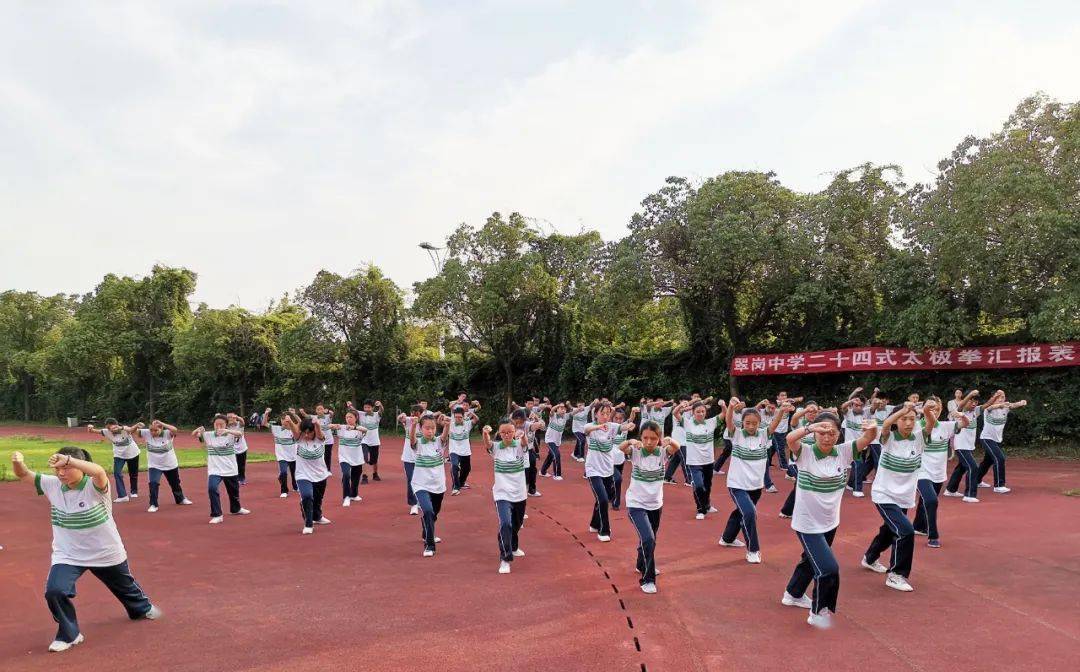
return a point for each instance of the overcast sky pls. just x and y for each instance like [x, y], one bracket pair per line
[257, 142]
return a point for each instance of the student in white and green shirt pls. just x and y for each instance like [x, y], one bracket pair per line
[645, 496]
[746, 475]
[429, 475]
[350, 455]
[369, 418]
[556, 425]
[700, 452]
[994, 417]
[161, 460]
[933, 471]
[509, 489]
[284, 450]
[461, 424]
[85, 538]
[822, 462]
[311, 470]
[903, 440]
[221, 468]
[125, 453]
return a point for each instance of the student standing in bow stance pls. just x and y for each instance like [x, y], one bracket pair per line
[125, 453]
[903, 441]
[161, 459]
[221, 467]
[700, 436]
[645, 496]
[509, 489]
[284, 450]
[994, 417]
[556, 425]
[85, 538]
[819, 490]
[964, 447]
[932, 472]
[599, 468]
[746, 475]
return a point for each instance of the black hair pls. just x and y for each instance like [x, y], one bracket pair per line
[307, 425]
[518, 414]
[416, 408]
[697, 404]
[220, 416]
[367, 402]
[111, 421]
[684, 397]
[77, 453]
[652, 426]
[506, 420]
[458, 409]
[750, 410]
[859, 397]
[826, 416]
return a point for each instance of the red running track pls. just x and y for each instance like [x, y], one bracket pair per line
[253, 594]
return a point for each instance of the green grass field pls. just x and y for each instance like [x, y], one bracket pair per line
[37, 450]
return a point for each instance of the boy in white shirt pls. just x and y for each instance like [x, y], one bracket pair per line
[85, 538]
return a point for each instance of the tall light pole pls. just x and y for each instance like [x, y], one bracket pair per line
[437, 261]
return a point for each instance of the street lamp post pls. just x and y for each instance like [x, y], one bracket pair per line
[437, 261]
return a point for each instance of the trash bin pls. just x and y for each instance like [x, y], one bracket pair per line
[73, 422]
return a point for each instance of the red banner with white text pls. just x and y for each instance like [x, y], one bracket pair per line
[902, 359]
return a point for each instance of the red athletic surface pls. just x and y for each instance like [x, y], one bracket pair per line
[253, 594]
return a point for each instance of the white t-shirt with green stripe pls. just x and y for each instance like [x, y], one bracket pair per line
[935, 457]
[84, 532]
[350, 440]
[748, 458]
[579, 420]
[509, 461]
[699, 439]
[311, 460]
[220, 454]
[965, 438]
[659, 416]
[898, 468]
[853, 424]
[370, 421]
[819, 488]
[555, 428]
[124, 446]
[241, 443]
[428, 473]
[459, 437]
[617, 456]
[284, 444]
[994, 424]
[646, 490]
[159, 450]
[598, 457]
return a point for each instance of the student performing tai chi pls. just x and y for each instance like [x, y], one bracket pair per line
[85, 539]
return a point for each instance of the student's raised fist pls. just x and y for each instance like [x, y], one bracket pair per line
[17, 457]
[57, 460]
[486, 429]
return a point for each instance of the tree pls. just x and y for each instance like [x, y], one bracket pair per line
[27, 323]
[365, 313]
[494, 289]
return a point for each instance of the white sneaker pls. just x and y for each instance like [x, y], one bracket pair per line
[782, 515]
[323, 521]
[737, 543]
[1002, 490]
[535, 494]
[848, 487]
[186, 502]
[525, 516]
[242, 512]
[428, 553]
[358, 498]
[715, 471]
[788, 477]
[771, 488]
[753, 557]
[949, 493]
[545, 475]
[920, 533]
[897, 582]
[649, 588]
[593, 529]
[712, 509]
[58, 646]
[152, 509]
[970, 500]
[789, 600]
[308, 530]
[556, 478]
[699, 516]
[414, 510]
[216, 520]
[504, 567]
[134, 495]
[822, 620]
[346, 502]
[283, 495]
[154, 613]
[118, 500]
[519, 553]
[604, 537]
[438, 540]
[983, 485]
[876, 567]
[455, 492]
[857, 493]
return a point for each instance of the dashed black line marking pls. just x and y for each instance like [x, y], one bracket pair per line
[622, 605]
[637, 644]
[629, 623]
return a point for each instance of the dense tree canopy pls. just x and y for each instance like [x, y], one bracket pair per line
[988, 252]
